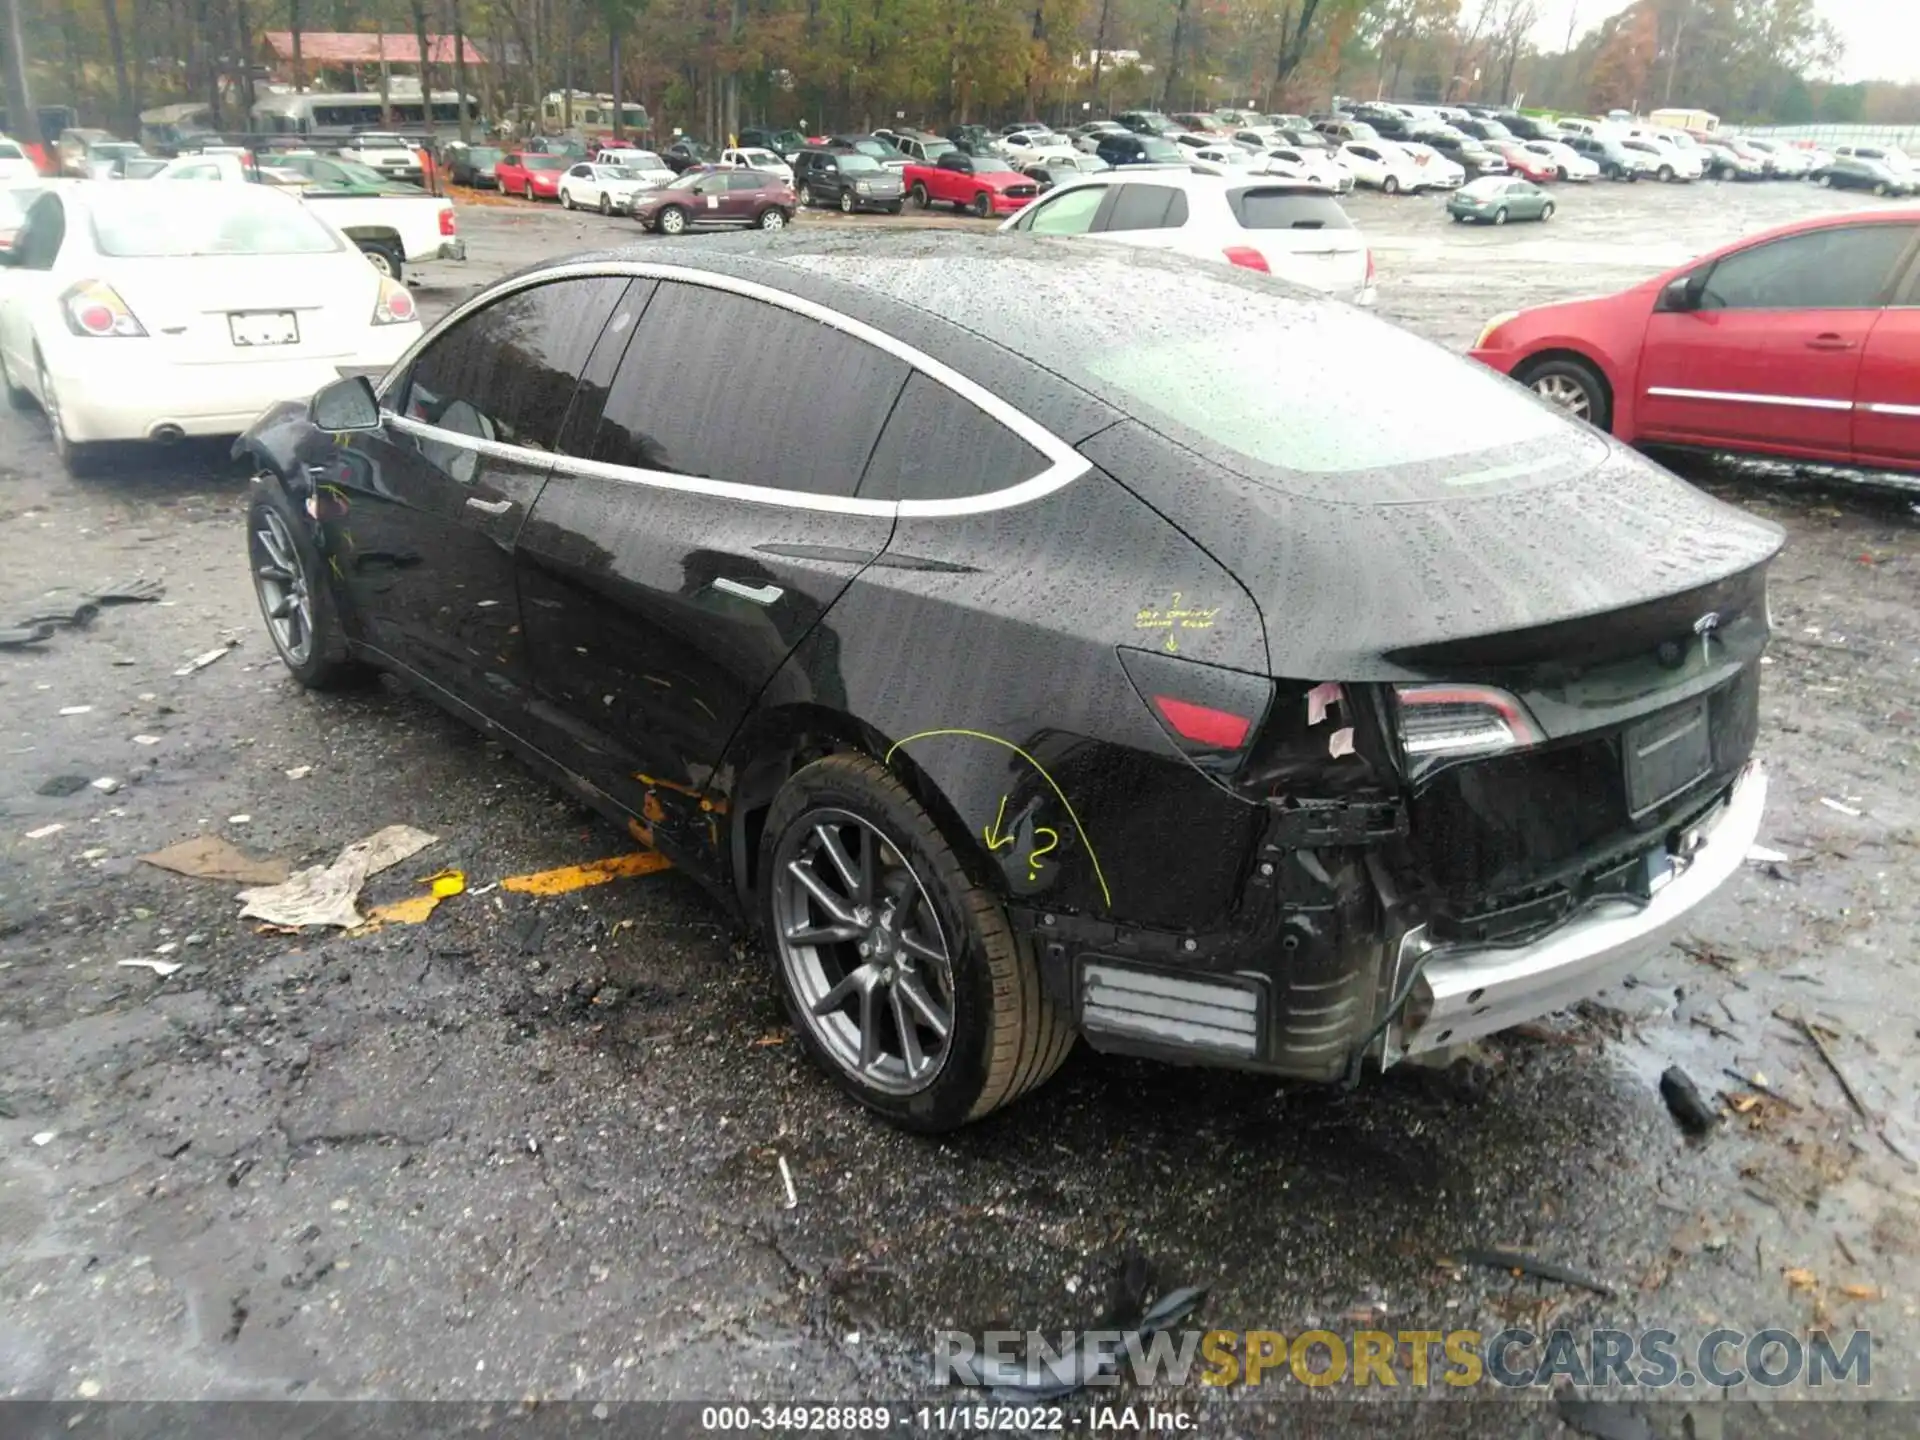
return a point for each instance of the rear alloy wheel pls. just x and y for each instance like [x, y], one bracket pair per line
[1500, 216]
[773, 218]
[1561, 174]
[919, 196]
[289, 581]
[672, 221]
[902, 977]
[846, 202]
[1574, 386]
[1666, 174]
[79, 460]
[1546, 211]
[1390, 185]
[983, 205]
[606, 204]
[383, 256]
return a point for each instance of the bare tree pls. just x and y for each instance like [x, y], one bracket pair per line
[24, 123]
[129, 119]
[299, 62]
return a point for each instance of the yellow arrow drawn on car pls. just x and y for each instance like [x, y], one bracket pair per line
[1041, 770]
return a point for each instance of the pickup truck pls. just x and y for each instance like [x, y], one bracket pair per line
[391, 229]
[983, 184]
[392, 155]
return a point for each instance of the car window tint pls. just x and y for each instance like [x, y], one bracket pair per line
[1146, 207]
[746, 181]
[40, 238]
[1068, 214]
[941, 446]
[515, 363]
[811, 399]
[1845, 268]
[1276, 209]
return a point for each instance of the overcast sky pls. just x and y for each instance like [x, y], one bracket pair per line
[1882, 36]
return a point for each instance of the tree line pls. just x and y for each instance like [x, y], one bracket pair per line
[710, 66]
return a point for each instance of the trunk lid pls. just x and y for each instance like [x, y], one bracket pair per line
[187, 305]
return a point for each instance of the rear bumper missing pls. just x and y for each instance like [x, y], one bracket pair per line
[1465, 992]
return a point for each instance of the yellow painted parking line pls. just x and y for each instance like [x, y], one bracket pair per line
[569, 878]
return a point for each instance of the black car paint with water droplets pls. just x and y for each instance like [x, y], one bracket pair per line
[1220, 732]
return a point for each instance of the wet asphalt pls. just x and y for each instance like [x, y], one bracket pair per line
[531, 1148]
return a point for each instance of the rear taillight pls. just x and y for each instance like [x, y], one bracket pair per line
[1445, 722]
[447, 226]
[395, 305]
[1203, 724]
[1247, 258]
[95, 308]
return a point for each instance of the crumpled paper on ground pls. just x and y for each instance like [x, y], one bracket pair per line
[328, 894]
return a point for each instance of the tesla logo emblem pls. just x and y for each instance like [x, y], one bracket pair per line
[1704, 628]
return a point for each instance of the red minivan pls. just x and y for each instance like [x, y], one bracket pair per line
[1803, 342]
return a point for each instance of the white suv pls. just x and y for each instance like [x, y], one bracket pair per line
[1294, 230]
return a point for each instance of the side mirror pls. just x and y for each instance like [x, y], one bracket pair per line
[344, 406]
[1681, 295]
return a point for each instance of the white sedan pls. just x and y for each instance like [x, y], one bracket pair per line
[16, 167]
[1314, 167]
[1381, 165]
[153, 311]
[1024, 146]
[1570, 162]
[765, 161]
[606, 188]
[1436, 169]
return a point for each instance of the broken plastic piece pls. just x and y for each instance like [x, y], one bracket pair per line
[129, 592]
[25, 635]
[1761, 855]
[416, 908]
[1340, 743]
[328, 894]
[162, 968]
[1830, 804]
[1319, 698]
[202, 660]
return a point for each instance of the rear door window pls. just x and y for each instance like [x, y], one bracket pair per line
[1842, 268]
[1146, 207]
[1071, 213]
[938, 445]
[725, 387]
[1277, 208]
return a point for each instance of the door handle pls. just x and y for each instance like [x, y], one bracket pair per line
[759, 594]
[489, 507]
[1829, 341]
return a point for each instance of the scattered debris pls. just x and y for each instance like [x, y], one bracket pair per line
[1861, 1292]
[239, 819]
[1540, 1269]
[1840, 1240]
[327, 894]
[162, 968]
[129, 592]
[1853, 1096]
[45, 830]
[1757, 1081]
[1719, 1031]
[106, 784]
[1684, 1099]
[786, 1179]
[146, 739]
[1050, 1377]
[568, 878]
[59, 787]
[299, 772]
[1844, 809]
[45, 1137]
[206, 658]
[1801, 1279]
[772, 1037]
[76, 709]
[1761, 855]
[208, 857]
[24, 636]
[415, 909]
[81, 612]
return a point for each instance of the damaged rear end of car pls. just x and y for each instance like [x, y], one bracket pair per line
[1506, 740]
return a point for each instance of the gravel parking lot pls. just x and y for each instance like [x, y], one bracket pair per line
[533, 1146]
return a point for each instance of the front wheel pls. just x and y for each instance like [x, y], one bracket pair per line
[903, 977]
[1880, 187]
[983, 205]
[1826, 180]
[1666, 174]
[566, 199]
[806, 196]
[290, 582]
[1500, 216]
[1573, 386]
[606, 204]
[672, 221]
[1390, 185]
[1546, 211]
[846, 202]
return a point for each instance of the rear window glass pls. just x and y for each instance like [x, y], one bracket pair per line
[1277, 209]
[222, 220]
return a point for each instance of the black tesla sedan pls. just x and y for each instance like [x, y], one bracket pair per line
[961, 609]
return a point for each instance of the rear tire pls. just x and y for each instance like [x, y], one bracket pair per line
[384, 256]
[1666, 174]
[1546, 211]
[1500, 216]
[671, 221]
[806, 196]
[983, 205]
[566, 200]
[1390, 185]
[1004, 1034]
[773, 218]
[1574, 385]
[606, 204]
[919, 196]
